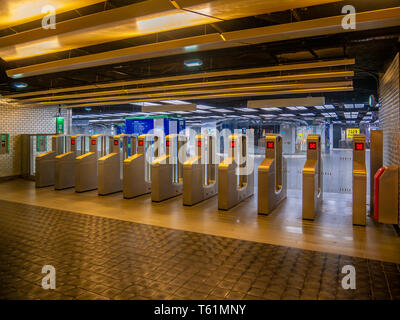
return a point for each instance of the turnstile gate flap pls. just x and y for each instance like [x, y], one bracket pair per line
[387, 195]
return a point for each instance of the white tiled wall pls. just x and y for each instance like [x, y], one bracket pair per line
[15, 120]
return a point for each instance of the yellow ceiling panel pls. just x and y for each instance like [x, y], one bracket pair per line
[15, 12]
[138, 19]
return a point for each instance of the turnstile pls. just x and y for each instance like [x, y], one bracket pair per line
[137, 168]
[235, 175]
[45, 162]
[200, 172]
[359, 181]
[375, 163]
[272, 185]
[312, 178]
[166, 170]
[65, 163]
[86, 164]
[109, 167]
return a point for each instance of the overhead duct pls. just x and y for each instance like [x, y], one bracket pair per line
[309, 28]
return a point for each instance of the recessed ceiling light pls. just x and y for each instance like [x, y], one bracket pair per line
[19, 85]
[193, 63]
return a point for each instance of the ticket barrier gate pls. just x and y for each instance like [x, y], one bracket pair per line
[137, 168]
[235, 182]
[312, 179]
[45, 162]
[272, 185]
[386, 194]
[359, 181]
[110, 166]
[200, 172]
[167, 170]
[65, 163]
[86, 164]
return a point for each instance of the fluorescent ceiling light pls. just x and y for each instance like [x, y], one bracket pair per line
[19, 85]
[180, 112]
[329, 106]
[320, 107]
[287, 115]
[175, 102]
[145, 104]
[349, 106]
[201, 111]
[250, 116]
[359, 106]
[307, 114]
[246, 109]
[271, 109]
[202, 106]
[297, 108]
[268, 115]
[223, 110]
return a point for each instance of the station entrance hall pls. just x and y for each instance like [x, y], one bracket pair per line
[199, 150]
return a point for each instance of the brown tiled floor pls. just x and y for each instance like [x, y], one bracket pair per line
[101, 258]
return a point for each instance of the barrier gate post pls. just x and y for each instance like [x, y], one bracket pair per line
[272, 185]
[312, 178]
[359, 181]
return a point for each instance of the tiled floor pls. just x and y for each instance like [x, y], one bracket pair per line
[102, 258]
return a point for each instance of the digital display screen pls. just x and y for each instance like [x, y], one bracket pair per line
[93, 142]
[359, 146]
[199, 143]
[312, 145]
[115, 142]
[140, 143]
[73, 142]
[270, 145]
[167, 143]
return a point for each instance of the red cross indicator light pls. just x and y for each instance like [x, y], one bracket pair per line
[72, 142]
[140, 143]
[93, 142]
[199, 143]
[312, 145]
[115, 142]
[167, 143]
[359, 146]
[270, 145]
[232, 144]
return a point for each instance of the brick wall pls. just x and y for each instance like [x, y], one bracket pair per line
[389, 114]
[15, 120]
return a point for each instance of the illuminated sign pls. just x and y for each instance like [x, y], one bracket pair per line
[359, 146]
[73, 142]
[351, 132]
[270, 145]
[140, 143]
[312, 145]
[232, 144]
[300, 136]
[167, 143]
[115, 142]
[199, 143]
[93, 142]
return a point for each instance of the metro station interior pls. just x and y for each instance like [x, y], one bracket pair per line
[199, 149]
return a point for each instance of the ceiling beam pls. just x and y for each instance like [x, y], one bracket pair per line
[202, 75]
[303, 29]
